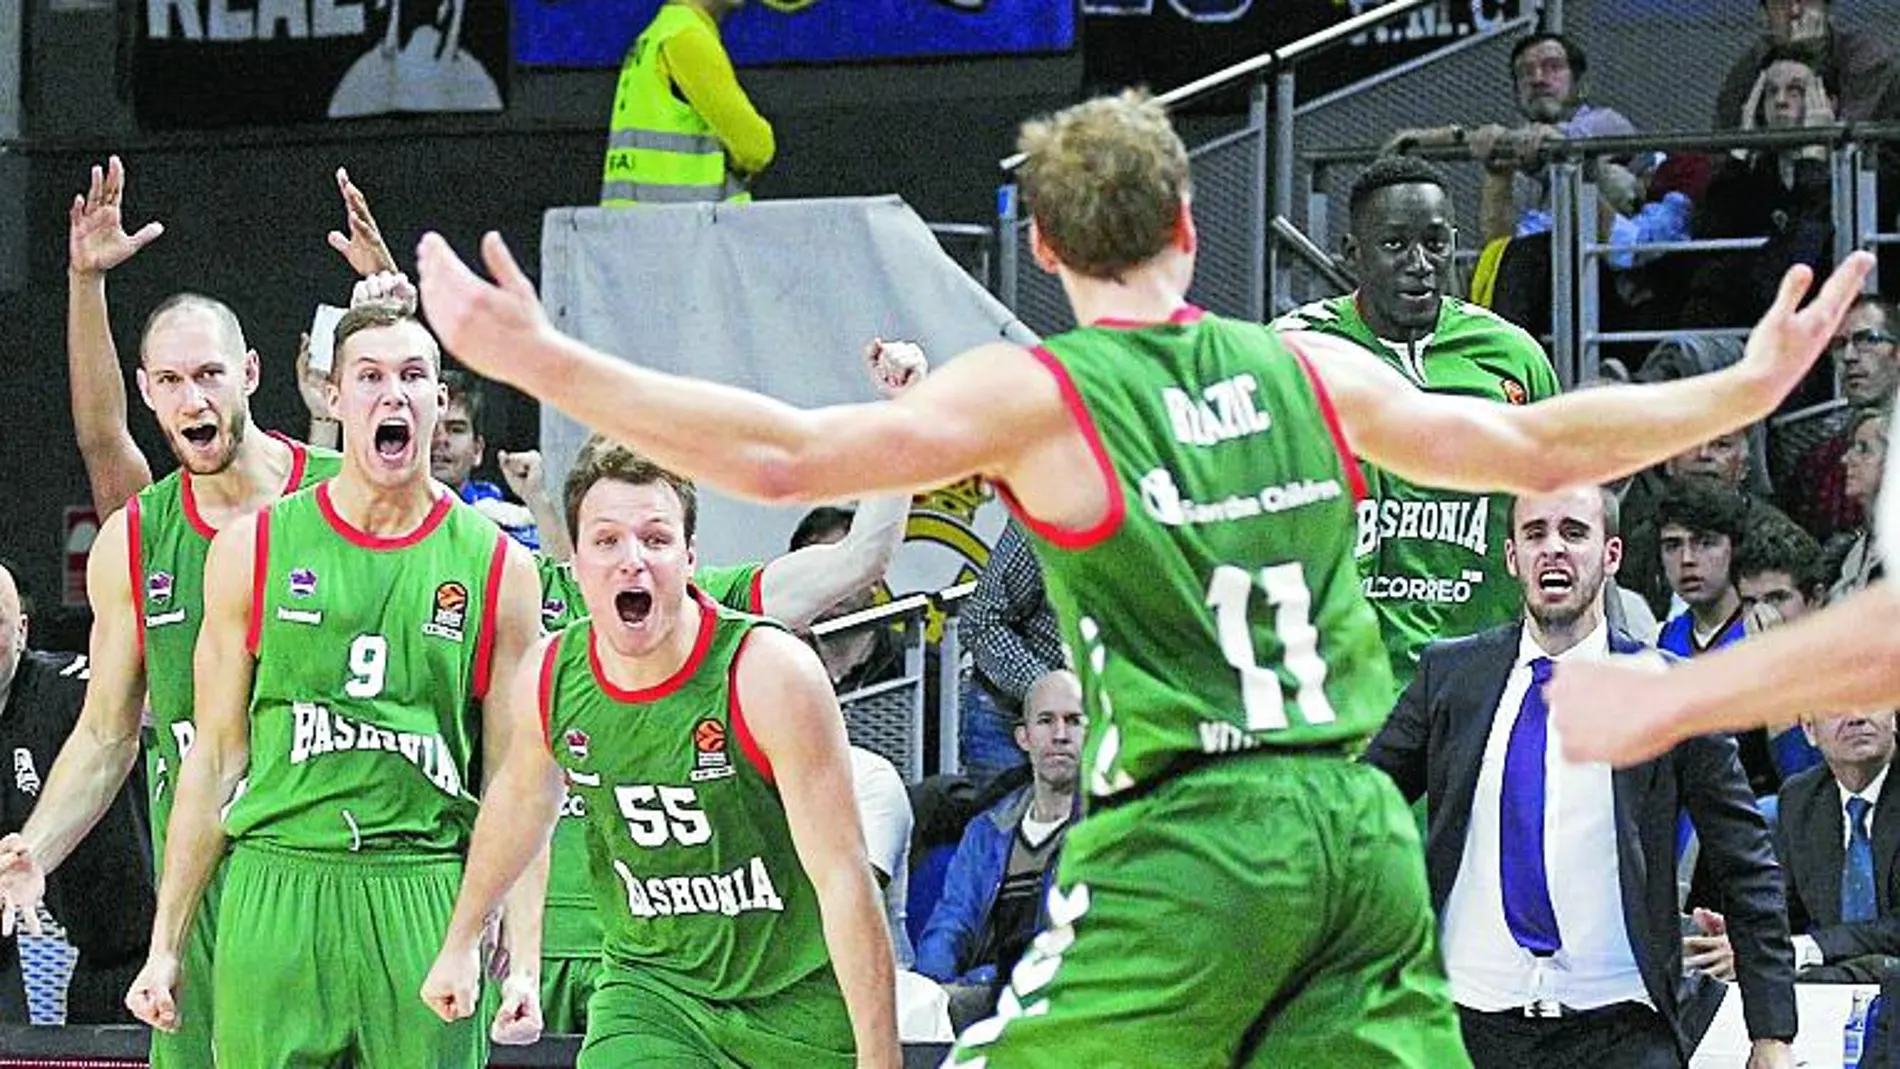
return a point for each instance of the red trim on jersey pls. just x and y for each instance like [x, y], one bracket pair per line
[299, 460]
[1354, 475]
[135, 556]
[1111, 521]
[546, 689]
[192, 515]
[1187, 313]
[358, 537]
[755, 601]
[708, 617]
[260, 564]
[491, 596]
[736, 715]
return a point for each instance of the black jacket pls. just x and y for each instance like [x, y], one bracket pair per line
[1809, 839]
[1434, 743]
[103, 892]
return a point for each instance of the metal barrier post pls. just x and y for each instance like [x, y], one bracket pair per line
[1867, 205]
[1843, 164]
[1007, 255]
[1589, 281]
[1565, 177]
[916, 639]
[1263, 259]
[1553, 16]
[949, 696]
[1284, 85]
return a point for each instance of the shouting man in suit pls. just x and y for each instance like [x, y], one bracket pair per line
[1838, 843]
[1556, 959]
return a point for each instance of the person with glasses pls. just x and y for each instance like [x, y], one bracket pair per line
[1866, 355]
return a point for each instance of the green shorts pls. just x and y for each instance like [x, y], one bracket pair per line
[1262, 910]
[320, 960]
[190, 1046]
[566, 985]
[635, 1019]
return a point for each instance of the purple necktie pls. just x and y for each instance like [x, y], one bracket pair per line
[1527, 908]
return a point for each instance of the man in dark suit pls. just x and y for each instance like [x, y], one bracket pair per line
[1838, 838]
[1556, 958]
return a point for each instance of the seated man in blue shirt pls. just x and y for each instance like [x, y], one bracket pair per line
[457, 450]
[993, 893]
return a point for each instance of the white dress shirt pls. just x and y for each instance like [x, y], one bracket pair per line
[1595, 967]
[1807, 952]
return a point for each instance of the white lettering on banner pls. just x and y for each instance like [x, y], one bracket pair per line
[1416, 588]
[1463, 523]
[746, 889]
[317, 731]
[261, 20]
[1225, 412]
[1162, 498]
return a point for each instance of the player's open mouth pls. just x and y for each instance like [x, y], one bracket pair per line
[633, 606]
[201, 435]
[392, 439]
[1555, 582]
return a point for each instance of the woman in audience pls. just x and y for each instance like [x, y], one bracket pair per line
[1865, 457]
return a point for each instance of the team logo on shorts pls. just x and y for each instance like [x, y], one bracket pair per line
[1514, 391]
[451, 612]
[709, 751]
[158, 587]
[576, 740]
[303, 582]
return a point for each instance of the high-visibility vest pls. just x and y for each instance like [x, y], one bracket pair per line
[659, 150]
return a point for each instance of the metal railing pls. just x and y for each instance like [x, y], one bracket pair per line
[891, 717]
[1267, 138]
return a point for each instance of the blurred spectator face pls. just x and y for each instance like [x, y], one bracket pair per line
[1546, 88]
[1795, 20]
[1784, 97]
[1051, 730]
[1775, 589]
[1724, 459]
[1865, 457]
[1866, 357]
[1865, 741]
[12, 630]
[1401, 245]
[1696, 564]
[1560, 553]
[455, 450]
[198, 379]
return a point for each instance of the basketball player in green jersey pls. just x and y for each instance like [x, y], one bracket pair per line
[793, 589]
[1431, 559]
[350, 633]
[742, 924]
[144, 574]
[1240, 892]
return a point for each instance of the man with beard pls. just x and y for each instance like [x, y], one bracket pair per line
[1556, 959]
[1431, 560]
[350, 633]
[742, 924]
[144, 578]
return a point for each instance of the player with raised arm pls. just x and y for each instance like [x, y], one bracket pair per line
[1240, 892]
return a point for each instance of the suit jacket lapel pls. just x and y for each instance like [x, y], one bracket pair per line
[1886, 842]
[1472, 696]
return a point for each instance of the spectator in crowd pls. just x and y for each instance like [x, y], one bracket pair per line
[1431, 560]
[1556, 959]
[862, 656]
[458, 449]
[1011, 634]
[103, 893]
[994, 891]
[1838, 837]
[682, 129]
[1785, 195]
[1867, 360]
[1864, 461]
[1861, 58]
[884, 811]
[1727, 459]
[1700, 522]
[1778, 575]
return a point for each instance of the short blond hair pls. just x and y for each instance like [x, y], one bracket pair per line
[1104, 181]
[373, 315]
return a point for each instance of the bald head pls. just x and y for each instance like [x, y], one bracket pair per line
[12, 630]
[1058, 690]
[181, 306]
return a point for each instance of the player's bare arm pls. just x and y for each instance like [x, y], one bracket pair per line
[1589, 436]
[793, 714]
[984, 412]
[363, 248]
[517, 629]
[104, 745]
[526, 479]
[509, 834]
[96, 242]
[223, 669]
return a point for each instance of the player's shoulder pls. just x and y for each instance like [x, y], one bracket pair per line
[1326, 316]
[1464, 320]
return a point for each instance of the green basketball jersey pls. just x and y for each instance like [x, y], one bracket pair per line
[695, 874]
[1432, 561]
[169, 541]
[571, 926]
[372, 654]
[1215, 608]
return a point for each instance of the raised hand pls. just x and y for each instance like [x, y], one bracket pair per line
[493, 328]
[895, 366]
[521, 471]
[364, 248]
[310, 384]
[1787, 340]
[22, 886]
[96, 240]
[385, 286]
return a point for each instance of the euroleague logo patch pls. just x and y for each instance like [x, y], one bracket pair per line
[450, 614]
[710, 760]
[1514, 391]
